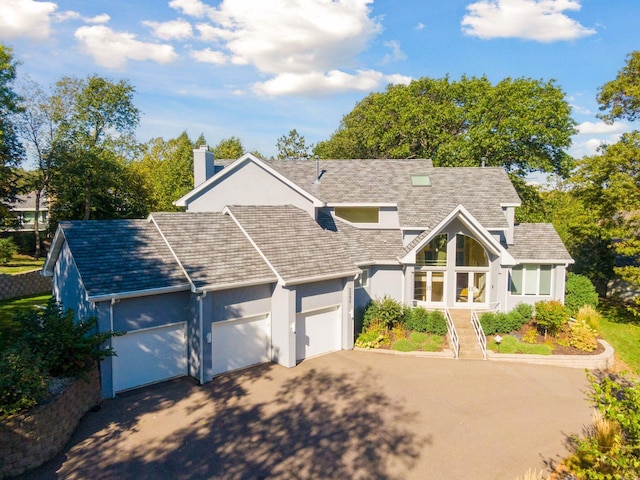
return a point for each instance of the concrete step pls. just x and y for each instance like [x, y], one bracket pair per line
[469, 346]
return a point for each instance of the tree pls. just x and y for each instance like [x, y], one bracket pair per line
[92, 177]
[620, 98]
[167, 169]
[11, 153]
[229, 148]
[520, 124]
[293, 146]
[37, 130]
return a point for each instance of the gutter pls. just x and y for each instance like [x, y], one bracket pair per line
[319, 278]
[137, 293]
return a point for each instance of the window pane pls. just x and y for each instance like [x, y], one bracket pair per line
[545, 279]
[434, 253]
[437, 286]
[530, 279]
[479, 287]
[462, 287]
[516, 280]
[358, 214]
[420, 286]
[469, 252]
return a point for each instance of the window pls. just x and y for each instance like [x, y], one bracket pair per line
[469, 252]
[421, 180]
[530, 280]
[358, 214]
[434, 253]
[362, 280]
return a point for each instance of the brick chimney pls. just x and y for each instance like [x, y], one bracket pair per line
[203, 166]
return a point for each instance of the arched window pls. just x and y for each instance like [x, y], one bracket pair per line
[469, 252]
[434, 254]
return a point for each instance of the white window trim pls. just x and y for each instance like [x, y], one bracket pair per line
[537, 294]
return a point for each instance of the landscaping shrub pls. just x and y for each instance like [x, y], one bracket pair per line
[582, 337]
[488, 323]
[7, 250]
[579, 291]
[525, 310]
[374, 336]
[385, 310]
[437, 323]
[611, 448]
[417, 319]
[23, 380]
[550, 316]
[590, 316]
[68, 348]
[500, 322]
[530, 336]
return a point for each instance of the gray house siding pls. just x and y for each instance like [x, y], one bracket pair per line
[386, 280]
[248, 185]
[150, 311]
[67, 287]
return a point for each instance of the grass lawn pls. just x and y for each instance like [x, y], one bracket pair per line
[20, 264]
[511, 344]
[418, 341]
[8, 308]
[622, 331]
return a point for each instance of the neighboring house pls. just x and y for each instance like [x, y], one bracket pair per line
[271, 259]
[24, 209]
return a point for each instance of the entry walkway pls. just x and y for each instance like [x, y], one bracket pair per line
[348, 414]
[469, 346]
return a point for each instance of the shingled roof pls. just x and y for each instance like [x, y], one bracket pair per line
[118, 256]
[538, 242]
[213, 250]
[297, 248]
[481, 191]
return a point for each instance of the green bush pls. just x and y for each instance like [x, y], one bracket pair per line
[551, 316]
[582, 337]
[579, 291]
[611, 448]
[385, 311]
[488, 323]
[417, 319]
[525, 310]
[7, 250]
[437, 323]
[68, 348]
[23, 380]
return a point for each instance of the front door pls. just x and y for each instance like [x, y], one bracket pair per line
[429, 286]
[471, 287]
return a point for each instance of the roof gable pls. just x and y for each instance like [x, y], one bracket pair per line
[538, 243]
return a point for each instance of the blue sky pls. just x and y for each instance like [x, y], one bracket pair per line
[256, 69]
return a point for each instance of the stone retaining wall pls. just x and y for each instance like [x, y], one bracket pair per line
[602, 361]
[23, 285]
[30, 439]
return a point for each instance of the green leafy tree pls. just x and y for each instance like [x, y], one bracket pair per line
[11, 153]
[92, 176]
[293, 145]
[520, 124]
[229, 148]
[620, 98]
[167, 170]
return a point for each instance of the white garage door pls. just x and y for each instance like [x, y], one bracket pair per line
[240, 343]
[149, 355]
[317, 332]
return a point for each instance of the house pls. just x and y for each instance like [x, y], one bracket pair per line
[271, 259]
[24, 210]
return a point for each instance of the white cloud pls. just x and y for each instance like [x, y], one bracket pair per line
[541, 20]
[601, 128]
[591, 135]
[396, 52]
[98, 19]
[26, 18]
[290, 40]
[172, 30]
[420, 26]
[113, 49]
[209, 56]
[319, 83]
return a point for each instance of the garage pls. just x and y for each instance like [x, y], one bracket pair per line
[240, 342]
[317, 332]
[149, 355]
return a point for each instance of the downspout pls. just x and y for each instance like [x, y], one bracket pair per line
[111, 304]
[201, 320]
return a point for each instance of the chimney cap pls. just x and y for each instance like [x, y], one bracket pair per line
[204, 147]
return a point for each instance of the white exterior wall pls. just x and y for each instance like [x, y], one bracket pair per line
[386, 280]
[248, 185]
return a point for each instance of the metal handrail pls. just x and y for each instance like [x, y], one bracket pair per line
[453, 333]
[482, 338]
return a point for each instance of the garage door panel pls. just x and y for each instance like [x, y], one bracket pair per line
[149, 356]
[240, 343]
[318, 332]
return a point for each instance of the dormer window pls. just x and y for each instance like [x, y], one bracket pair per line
[358, 214]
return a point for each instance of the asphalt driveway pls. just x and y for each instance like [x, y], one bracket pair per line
[345, 415]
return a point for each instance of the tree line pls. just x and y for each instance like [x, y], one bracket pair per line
[81, 135]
